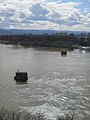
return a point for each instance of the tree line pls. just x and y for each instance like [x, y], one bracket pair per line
[46, 40]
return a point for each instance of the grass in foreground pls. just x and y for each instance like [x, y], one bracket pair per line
[10, 115]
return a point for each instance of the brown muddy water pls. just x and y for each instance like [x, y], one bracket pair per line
[57, 85]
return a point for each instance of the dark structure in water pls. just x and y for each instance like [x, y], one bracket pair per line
[63, 52]
[21, 76]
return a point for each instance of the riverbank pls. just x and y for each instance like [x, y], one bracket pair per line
[39, 40]
[12, 115]
[59, 41]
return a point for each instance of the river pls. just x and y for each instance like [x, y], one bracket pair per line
[57, 85]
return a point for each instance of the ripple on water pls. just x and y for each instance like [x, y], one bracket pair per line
[54, 96]
[50, 112]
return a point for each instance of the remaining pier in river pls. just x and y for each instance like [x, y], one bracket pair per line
[63, 52]
[21, 76]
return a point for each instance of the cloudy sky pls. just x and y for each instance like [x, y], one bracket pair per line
[45, 14]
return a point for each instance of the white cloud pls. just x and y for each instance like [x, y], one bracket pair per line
[43, 14]
[44, 25]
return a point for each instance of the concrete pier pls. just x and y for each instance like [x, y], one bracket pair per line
[21, 76]
[63, 52]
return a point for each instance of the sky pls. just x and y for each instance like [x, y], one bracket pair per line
[45, 14]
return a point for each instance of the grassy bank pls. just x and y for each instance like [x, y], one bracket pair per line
[10, 115]
[16, 115]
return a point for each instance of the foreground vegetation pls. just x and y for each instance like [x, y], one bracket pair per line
[10, 115]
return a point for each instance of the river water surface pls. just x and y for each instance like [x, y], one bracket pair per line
[57, 84]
